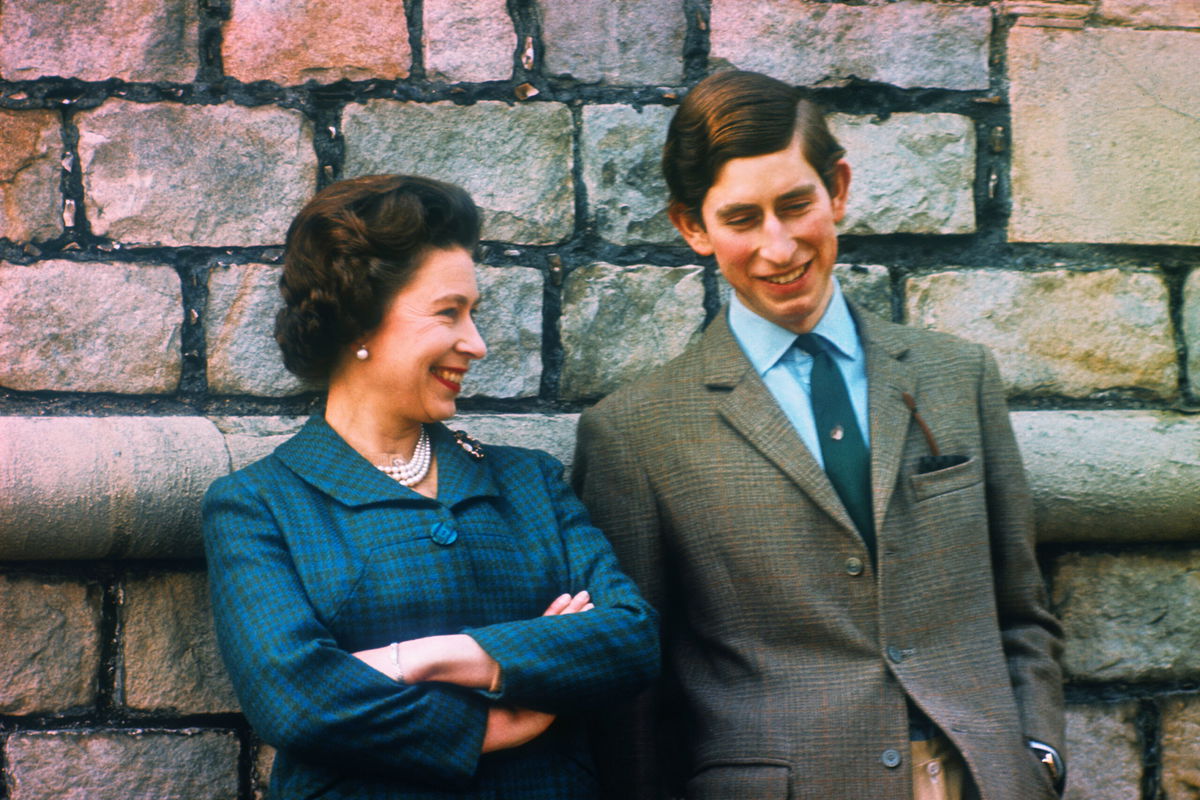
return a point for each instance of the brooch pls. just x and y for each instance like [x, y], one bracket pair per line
[470, 444]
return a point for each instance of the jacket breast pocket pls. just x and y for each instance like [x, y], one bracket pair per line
[943, 481]
[729, 778]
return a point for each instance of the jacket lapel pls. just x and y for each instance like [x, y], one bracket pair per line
[751, 410]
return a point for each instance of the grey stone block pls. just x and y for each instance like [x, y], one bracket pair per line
[514, 160]
[181, 175]
[468, 40]
[907, 44]
[621, 151]
[251, 438]
[90, 327]
[1180, 754]
[911, 173]
[169, 650]
[51, 656]
[1058, 332]
[510, 322]
[627, 43]
[1191, 328]
[619, 322]
[1104, 755]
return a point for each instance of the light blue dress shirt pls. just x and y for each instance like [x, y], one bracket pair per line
[787, 370]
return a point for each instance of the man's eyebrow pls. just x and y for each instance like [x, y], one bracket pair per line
[735, 208]
[800, 192]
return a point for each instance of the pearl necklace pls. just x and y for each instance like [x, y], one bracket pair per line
[413, 471]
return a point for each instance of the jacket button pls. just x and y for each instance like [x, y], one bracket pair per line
[895, 654]
[890, 758]
[854, 566]
[443, 534]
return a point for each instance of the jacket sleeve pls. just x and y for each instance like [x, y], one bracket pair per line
[569, 663]
[1030, 634]
[301, 692]
[634, 753]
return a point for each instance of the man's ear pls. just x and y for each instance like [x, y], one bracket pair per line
[691, 227]
[839, 198]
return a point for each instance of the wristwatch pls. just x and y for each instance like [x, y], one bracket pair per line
[1052, 761]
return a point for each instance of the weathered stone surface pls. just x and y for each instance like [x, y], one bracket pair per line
[1164, 13]
[627, 43]
[1191, 328]
[554, 433]
[105, 487]
[906, 44]
[252, 438]
[621, 149]
[122, 765]
[85, 327]
[146, 40]
[1116, 476]
[510, 322]
[1129, 616]
[51, 655]
[912, 173]
[30, 200]
[239, 326]
[1097, 109]
[514, 160]
[618, 322]
[264, 761]
[1058, 332]
[170, 648]
[194, 175]
[869, 285]
[293, 41]
[1104, 755]
[470, 40]
[1180, 755]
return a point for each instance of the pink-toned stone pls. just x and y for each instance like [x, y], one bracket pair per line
[30, 200]
[1180, 753]
[293, 41]
[1159, 13]
[134, 40]
[468, 40]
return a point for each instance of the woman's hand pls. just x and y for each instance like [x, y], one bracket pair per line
[513, 727]
[566, 604]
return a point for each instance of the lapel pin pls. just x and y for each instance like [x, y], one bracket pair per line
[837, 433]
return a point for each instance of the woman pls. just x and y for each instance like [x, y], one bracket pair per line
[405, 613]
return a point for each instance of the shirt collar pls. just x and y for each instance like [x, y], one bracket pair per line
[765, 343]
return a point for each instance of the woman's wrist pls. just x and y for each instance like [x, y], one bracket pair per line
[452, 658]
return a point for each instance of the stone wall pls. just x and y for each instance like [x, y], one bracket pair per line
[1026, 175]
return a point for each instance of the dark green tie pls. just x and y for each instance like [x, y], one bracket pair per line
[847, 458]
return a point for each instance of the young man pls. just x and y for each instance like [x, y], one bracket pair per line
[828, 510]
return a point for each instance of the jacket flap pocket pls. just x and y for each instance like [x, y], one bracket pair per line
[721, 780]
[960, 476]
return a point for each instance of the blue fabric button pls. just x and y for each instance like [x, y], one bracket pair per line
[891, 758]
[444, 534]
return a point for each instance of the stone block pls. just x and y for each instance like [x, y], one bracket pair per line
[90, 327]
[50, 661]
[94, 40]
[468, 40]
[514, 160]
[294, 41]
[1180, 756]
[907, 44]
[621, 151]
[264, 761]
[912, 173]
[1129, 616]
[1191, 328]
[627, 43]
[553, 433]
[252, 438]
[122, 765]
[30, 151]
[1104, 754]
[181, 175]
[1157, 13]
[239, 330]
[1101, 108]
[1112, 476]
[1058, 332]
[170, 648]
[869, 285]
[105, 487]
[619, 322]
[510, 322]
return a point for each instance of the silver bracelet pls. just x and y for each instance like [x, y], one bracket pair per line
[399, 676]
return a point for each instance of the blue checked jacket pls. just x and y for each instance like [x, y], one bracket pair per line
[314, 554]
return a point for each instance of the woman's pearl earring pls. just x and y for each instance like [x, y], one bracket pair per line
[361, 354]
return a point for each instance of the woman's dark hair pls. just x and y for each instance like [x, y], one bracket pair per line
[738, 114]
[350, 250]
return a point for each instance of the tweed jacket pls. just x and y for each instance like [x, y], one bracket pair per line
[788, 654]
[314, 554]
